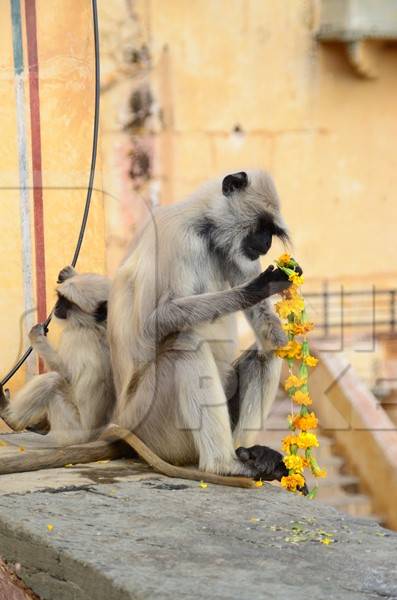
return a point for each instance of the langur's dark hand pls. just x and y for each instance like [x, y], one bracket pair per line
[276, 275]
[39, 330]
[298, 269]
[272, 281]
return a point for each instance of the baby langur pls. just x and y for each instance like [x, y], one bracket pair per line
[76, 396]
[172, 329]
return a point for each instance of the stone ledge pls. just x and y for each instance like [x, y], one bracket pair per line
[152, 537]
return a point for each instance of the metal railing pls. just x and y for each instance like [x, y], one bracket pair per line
[372, 311]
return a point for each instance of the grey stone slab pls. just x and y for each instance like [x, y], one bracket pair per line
[162, 538]
[75, 476]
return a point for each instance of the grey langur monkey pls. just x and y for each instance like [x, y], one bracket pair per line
[76, 396]
[172, 328]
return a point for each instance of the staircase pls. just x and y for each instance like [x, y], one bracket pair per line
[341, 488]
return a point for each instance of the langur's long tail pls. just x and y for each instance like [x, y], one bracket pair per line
[161, 466]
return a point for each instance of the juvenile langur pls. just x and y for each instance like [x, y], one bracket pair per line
[172, 328]
[76, 396]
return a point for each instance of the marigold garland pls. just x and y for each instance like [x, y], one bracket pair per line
[291, 309]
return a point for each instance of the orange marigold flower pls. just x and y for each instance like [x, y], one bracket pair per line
[288, 441]
[298, 328]
[284, 260]
[294, 382]
[291, 482]
[302, 398]
[292, 350]
[305, 422]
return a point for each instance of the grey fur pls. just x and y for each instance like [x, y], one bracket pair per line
[172, 327]
[76, 397]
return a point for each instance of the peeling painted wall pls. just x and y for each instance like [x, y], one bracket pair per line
[242, 83]
[66, 102]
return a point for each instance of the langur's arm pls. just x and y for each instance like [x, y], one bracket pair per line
[263, 321]
[183, 313]
[46, 351]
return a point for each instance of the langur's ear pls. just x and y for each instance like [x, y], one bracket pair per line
[234, 182]
[101, 312]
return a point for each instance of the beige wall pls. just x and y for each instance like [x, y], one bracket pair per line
[327, 136]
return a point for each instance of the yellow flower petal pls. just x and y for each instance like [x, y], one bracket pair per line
[320, 473]
[294, 381]
[259, 483]
[290, 306]
[203, 485]
[310, 361]
[50, 527]
[297, 279]
[293, 462]
[306, 440]
[298, 328]
[302, 398]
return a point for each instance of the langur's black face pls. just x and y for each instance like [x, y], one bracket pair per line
[64, 309]
[259, 241]
[262, 227]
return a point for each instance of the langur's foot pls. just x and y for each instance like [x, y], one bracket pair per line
[4, 398]
[266, 463]
[43, 427]
[4, 405]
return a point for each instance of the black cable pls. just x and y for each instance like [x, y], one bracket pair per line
[20, 362]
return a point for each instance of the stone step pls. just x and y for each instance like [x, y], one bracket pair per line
[356, 505]
[111, 541]
[338, 489]
[332, 486]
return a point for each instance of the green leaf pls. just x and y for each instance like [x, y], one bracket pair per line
[313, 493]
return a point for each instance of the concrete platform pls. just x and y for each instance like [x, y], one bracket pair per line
[120, 532]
